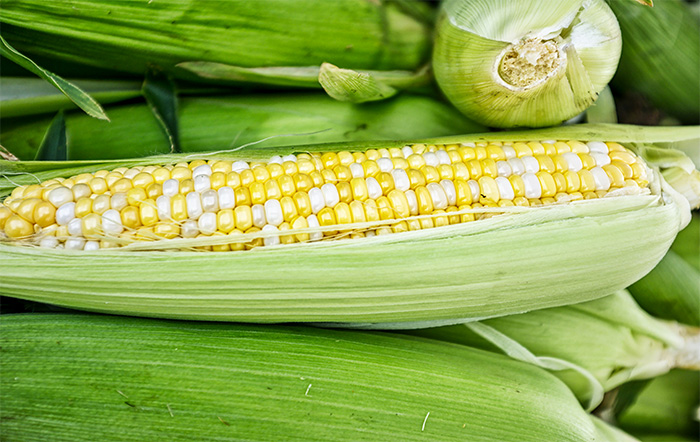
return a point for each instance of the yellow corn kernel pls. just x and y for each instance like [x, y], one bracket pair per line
[302, 203]
[135, 196]
[416, 178]
[286, 183]
[92, 226]
[178, 207]
[272, 190]
[243, 198]
[225, 221]
[83, 206]
[399, 203]
[17, 227]
[298, 223]
[186, 186]
[344, 191]
[217, 180]
[130, 217]
[26, 207]
[44, 214]
[233, 180]
[244, 218]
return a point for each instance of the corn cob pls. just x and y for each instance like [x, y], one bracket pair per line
[611, 340]
[79, 378]
[355, 34]
[370, 197]
[225, 122]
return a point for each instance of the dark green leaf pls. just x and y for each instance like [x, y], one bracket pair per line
[53, 146]
[161, 95]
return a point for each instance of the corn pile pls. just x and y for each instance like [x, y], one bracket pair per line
[389, 268]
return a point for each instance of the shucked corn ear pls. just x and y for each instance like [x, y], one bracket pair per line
[84, 378]
[399, 234]
[225, 122]
[603, 343]
[254, 35]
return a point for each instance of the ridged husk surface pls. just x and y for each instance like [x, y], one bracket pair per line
[85, 378]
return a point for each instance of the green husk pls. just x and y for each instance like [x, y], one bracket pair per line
[668, 404]
[611, 340]
[228, 122]
[661, 55]
[687, 245]
[413, 279]
[672, 289]
[603, 110]
[109, 378]
[352, 34]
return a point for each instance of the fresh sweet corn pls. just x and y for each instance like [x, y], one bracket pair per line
[105, 378]
[379, 234]
[372, 192]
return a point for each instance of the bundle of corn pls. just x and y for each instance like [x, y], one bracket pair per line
[266, 42]
[593, 346]
[207, 123]
[654, 39]
[406, 219]
[108, 378]
[505, 63]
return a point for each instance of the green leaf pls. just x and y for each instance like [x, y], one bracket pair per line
[298, 76]
[161, 94]
[21, 96]
[353, 86]
[74, 93]
[53, 146]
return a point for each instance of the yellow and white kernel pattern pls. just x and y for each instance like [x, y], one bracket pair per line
[399, 189]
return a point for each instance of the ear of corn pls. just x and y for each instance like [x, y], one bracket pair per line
[654, 39]
[354, 34]
[103, 378]
[228, 122]
[611, 338]
[454, 271]
[667, 405]
[507, 64]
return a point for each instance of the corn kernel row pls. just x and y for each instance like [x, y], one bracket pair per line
[218, 197]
